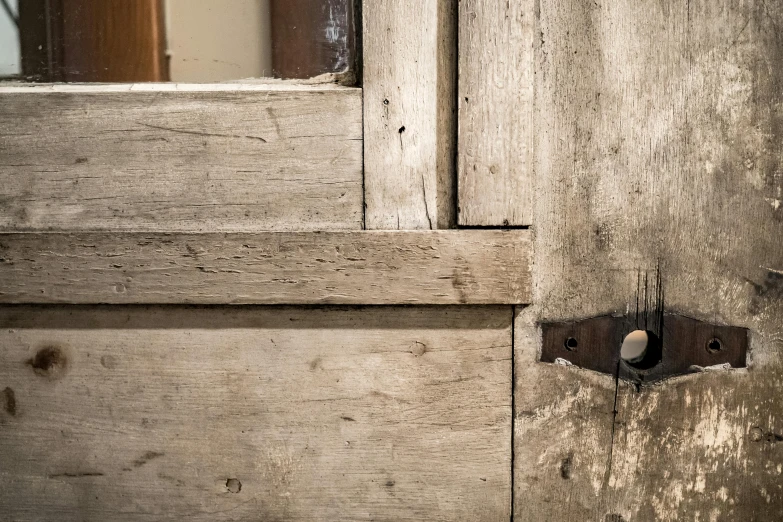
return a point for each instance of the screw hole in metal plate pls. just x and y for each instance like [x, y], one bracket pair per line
[714, 345]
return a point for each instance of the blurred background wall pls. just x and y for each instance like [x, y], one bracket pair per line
[215, 41]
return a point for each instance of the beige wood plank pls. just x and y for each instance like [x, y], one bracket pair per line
[425, 267]
[172, 413]
[659, 148]
[409, 114]
[495, 159]
[180, 157]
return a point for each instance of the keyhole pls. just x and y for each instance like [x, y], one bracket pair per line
[641, 349]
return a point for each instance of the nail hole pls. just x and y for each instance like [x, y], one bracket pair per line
[50, 362]
[571, 344]
[233, 485]
[386, 102]
[714, 345]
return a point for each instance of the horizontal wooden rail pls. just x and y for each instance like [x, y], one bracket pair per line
[373, 267]
[149, 157]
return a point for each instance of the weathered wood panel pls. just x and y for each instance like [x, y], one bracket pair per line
[706, 446]
[438, 267]
[659, 149]
[496, 131]
[180, 157]
[562, 433]
[255, 414]
[409, 113]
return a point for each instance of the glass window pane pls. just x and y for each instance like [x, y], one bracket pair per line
[175, 40]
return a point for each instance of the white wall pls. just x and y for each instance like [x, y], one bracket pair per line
[217, 40]
[10, 60]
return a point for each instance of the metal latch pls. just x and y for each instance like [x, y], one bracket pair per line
[675, 345]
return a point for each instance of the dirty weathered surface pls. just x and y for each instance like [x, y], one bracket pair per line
[373, 267]
[496, 131]
[659, 150]
[191, 158]
[562, 432]
[409, 114]
[255, 414]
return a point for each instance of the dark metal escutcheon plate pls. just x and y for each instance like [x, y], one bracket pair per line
[685, 343]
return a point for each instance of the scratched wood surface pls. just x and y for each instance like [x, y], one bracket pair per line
[180, 157]
[562, 433]
[496, 131]
[409, 113]
[134, 413]
[658, 150]
[373, 267]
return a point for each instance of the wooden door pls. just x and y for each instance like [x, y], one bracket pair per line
[641, 142]
[215, 307]
[307, 301]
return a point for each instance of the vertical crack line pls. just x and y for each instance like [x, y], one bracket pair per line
[424, 195]
[659, 303]
[513, 402]
[608, 474]
[358, 35]
[614, 412]
[454, 174]
[647, 301]
[364, 168]
[638, 287]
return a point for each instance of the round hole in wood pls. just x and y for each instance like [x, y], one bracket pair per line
[571, 344]
[641, 349]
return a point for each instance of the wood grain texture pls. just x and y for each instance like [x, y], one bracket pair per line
[148, 414]
[180, 157]
[409, 114]
[562, 433]
[496, 131]
[439, 267]
[659, 147]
